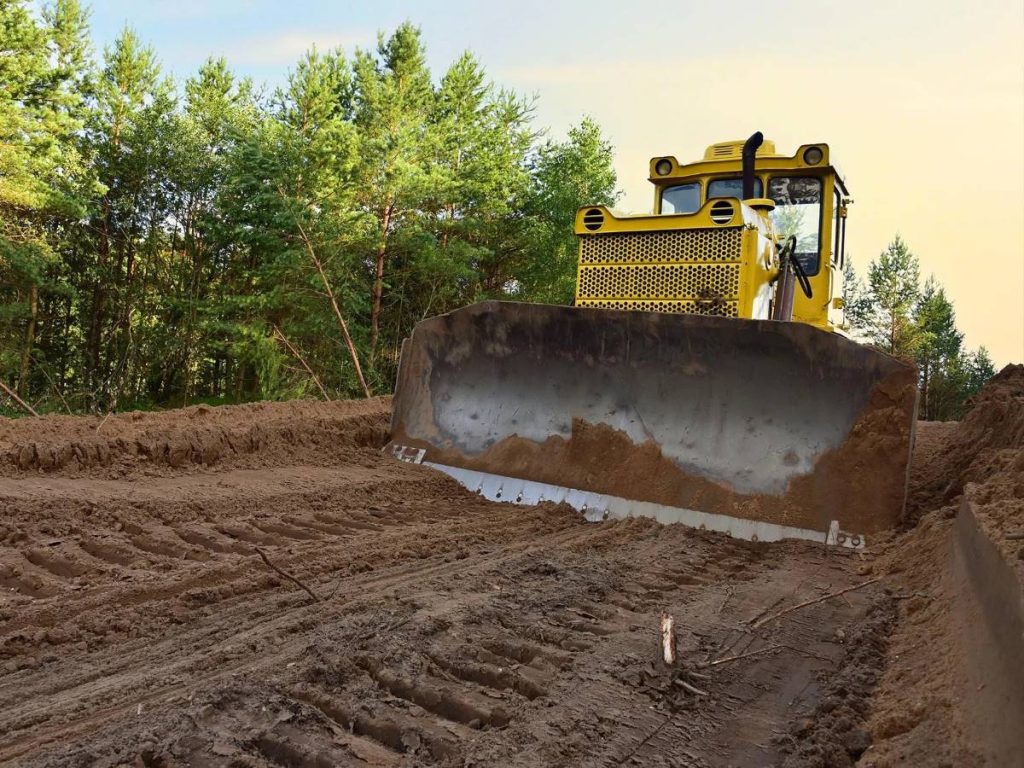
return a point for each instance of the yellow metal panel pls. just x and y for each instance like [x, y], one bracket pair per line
[717, 261]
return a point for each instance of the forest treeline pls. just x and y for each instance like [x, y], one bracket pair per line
[165, 243]
[892, 310]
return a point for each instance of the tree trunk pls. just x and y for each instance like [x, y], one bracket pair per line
[378, 280]
[30, 338]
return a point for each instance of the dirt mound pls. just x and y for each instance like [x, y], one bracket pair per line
[200, 435]
[943, 668]
[980, 446]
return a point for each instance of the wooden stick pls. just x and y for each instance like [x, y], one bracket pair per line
[728, 659]
[14, 396]
[692, 689]
[286, 575]
[829, 596]
[668, 639]
[302, 360]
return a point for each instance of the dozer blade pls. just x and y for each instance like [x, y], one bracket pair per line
[762, 429]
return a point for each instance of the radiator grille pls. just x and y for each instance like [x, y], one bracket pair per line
[700, 245]
[659, 281]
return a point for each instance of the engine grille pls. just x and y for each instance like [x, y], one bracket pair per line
[659, 281]
[688, 271]
[700, 245]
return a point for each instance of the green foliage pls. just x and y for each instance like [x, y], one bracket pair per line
[893, 284]
[857, 305]
[164, 244]
[901, 317]
[567, 175]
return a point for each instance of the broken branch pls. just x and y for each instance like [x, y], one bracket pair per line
[14, 396]
[774, 616]
[334, 304]
[729, 659]
[691, 688]
[301, 359]
[288, 576]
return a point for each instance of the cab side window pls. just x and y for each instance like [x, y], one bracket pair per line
[684, 198]
[798, 214]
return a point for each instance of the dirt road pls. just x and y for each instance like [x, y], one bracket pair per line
[140, 626]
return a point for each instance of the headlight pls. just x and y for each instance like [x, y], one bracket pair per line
[663, 167]
[813, 155]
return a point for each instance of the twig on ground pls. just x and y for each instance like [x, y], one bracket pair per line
[288, 576]
[692, 689]
[14, 396]
[747, 655]
[728, 596]
[1015, 536]
[829, 596]
[104, 421]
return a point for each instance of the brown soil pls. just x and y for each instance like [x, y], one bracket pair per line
[935, 704]
[139, 625]
[976, 448]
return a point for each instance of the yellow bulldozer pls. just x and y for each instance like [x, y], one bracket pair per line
[702, 375]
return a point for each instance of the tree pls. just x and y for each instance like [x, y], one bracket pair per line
[938, 340]
[393, 99]
[566, 176]
[856, 302]
[43, 176]
[953, 386]
[893, 290]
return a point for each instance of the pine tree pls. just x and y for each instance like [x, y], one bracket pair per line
[893, 288]
[938, 340]
[43, 177]
[856, 302]
[393, 100]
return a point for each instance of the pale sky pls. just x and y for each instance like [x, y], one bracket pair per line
[922, 101]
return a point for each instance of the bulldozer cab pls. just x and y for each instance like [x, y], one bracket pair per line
[810, 203]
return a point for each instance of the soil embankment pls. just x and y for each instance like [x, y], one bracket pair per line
[952, 691]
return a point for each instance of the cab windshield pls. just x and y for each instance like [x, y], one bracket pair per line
[798, 214]
[731, 188]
